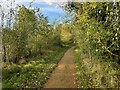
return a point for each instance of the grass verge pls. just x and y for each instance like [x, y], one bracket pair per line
[32, 74]
[96, 74]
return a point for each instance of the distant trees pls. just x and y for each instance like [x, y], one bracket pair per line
[66, 33]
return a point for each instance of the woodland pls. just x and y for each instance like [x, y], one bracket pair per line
[32, 48]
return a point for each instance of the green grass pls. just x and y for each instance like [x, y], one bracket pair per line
[100, 75]
[34, 73]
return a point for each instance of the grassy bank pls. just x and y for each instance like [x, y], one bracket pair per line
[96, 73]
[34, 73]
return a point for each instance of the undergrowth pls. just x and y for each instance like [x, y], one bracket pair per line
[32, 74]
[96, 74]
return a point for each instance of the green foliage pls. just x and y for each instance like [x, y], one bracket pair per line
[34, 73]
[66, 34]
[96, 30]
[100, 75]
[31, 50]
[96, 38]
[30, 35]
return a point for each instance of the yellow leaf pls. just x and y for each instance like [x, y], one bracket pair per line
[111, 13]
[94, 5]
[79, 12]
[107, 8]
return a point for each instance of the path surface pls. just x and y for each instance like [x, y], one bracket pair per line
[63, 75]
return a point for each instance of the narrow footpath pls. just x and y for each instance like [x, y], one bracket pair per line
[63, 75]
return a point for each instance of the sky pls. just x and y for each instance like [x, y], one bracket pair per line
[52, 11]
[49, 8]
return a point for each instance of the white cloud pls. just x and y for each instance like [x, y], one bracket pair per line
[50, 2]
[51, 9]
[6, 4]
[56, 6]
[47, 1]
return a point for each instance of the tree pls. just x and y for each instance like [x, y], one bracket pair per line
[105, 29]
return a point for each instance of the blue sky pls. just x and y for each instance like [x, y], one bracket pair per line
[48, 8]
[52, 11]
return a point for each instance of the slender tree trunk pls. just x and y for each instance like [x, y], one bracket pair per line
[118, 8]
[4, 55]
